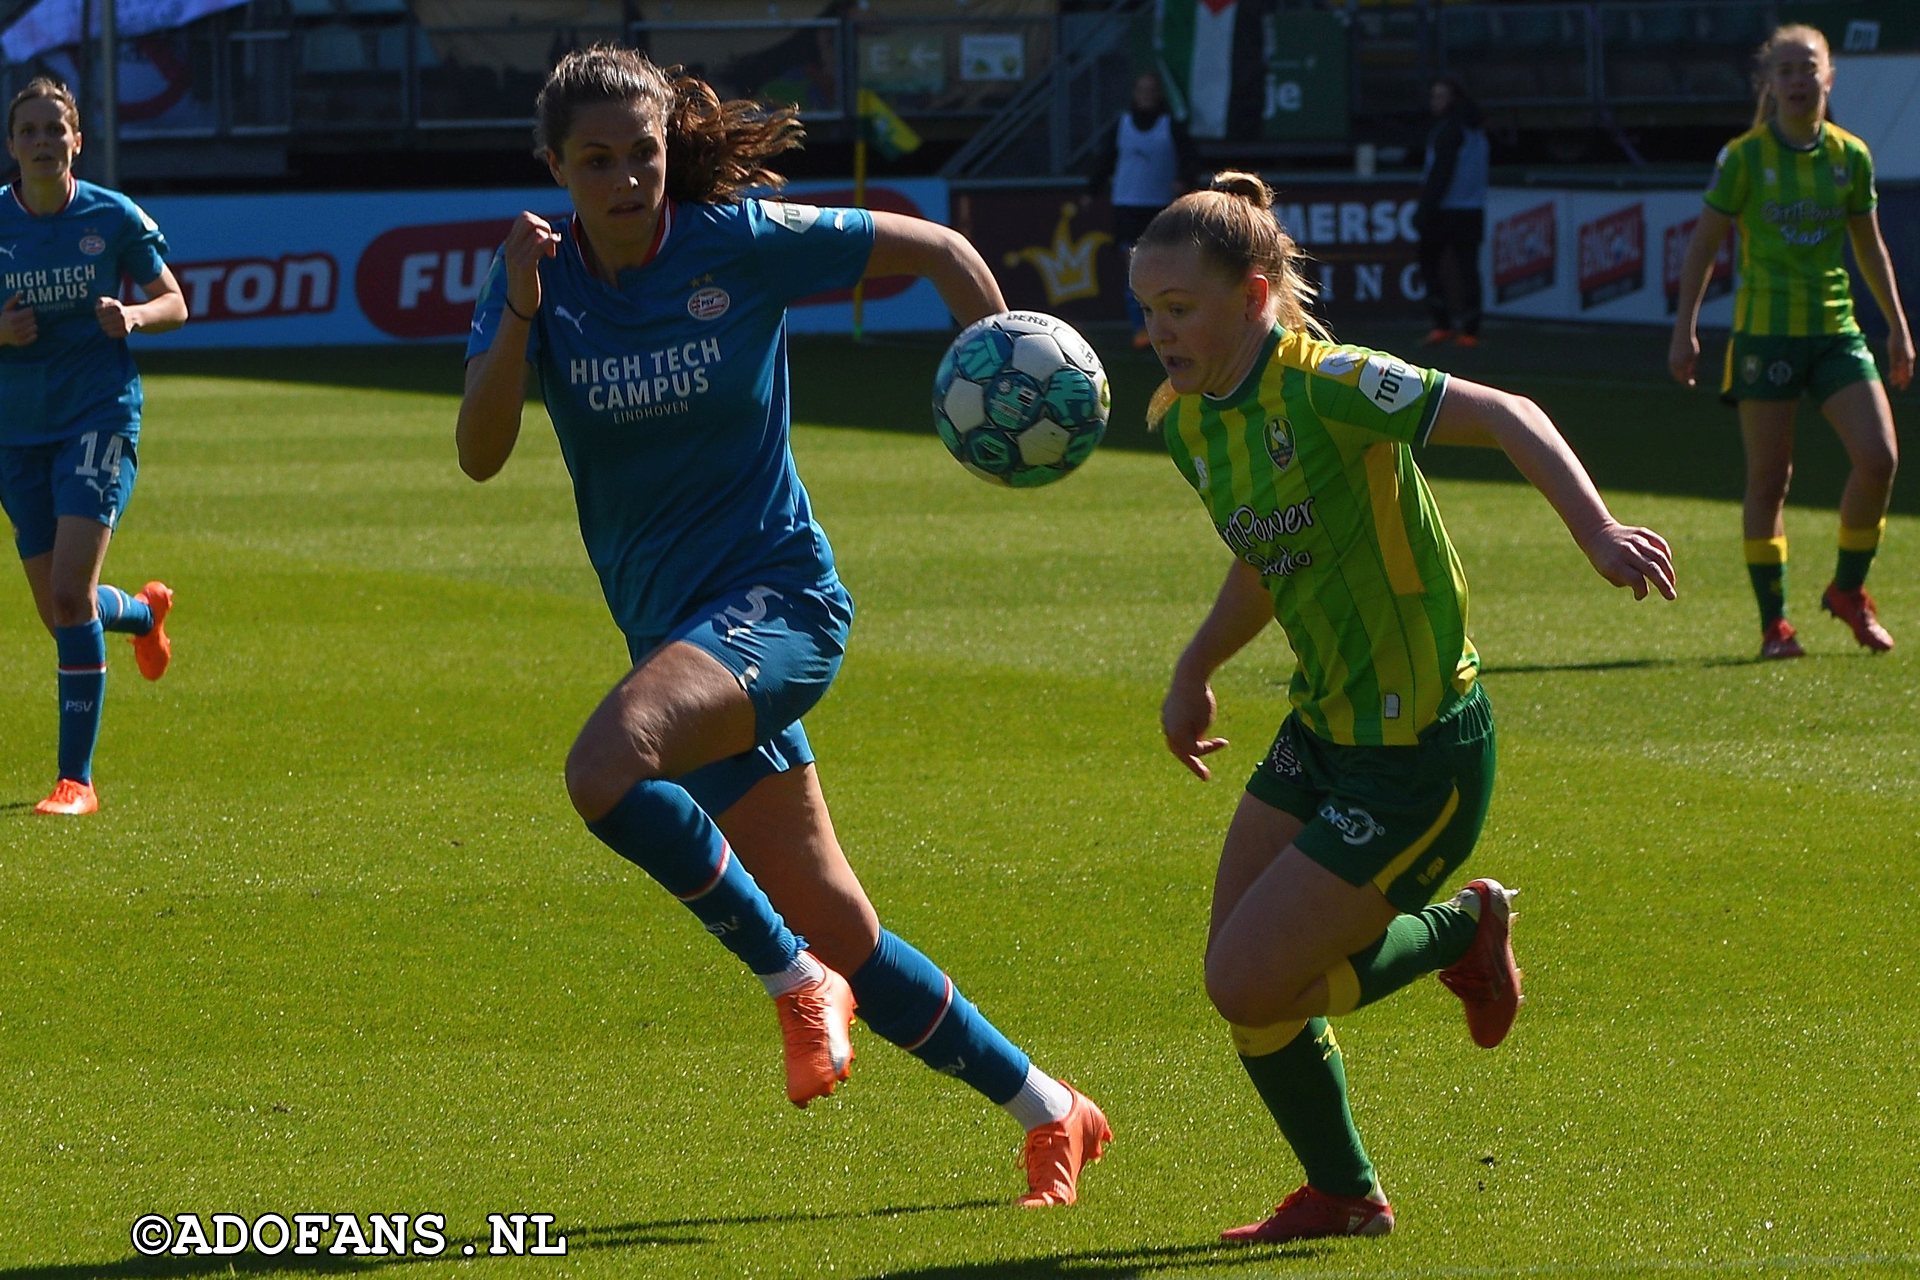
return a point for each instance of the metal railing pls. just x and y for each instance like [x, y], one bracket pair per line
[1033, 94]
[375, 67]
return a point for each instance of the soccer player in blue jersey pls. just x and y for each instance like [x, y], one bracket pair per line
[70, 409]
[655, 322]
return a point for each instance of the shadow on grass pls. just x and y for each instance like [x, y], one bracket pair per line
[1616, 664]
[622, 1235]
[1112, 1264]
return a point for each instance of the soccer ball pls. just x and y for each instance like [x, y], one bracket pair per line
[1020, 399]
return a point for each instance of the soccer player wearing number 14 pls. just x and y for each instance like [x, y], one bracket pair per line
[655, 321]
[70, 404]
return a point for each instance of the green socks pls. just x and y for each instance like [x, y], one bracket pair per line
[1856, 556]
[1305, 1088]
[1412, 947]
[1767, 568]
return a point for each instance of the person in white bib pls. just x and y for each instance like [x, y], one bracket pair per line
[1145, 164]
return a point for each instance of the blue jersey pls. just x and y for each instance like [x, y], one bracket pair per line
[669, 396]
[73, 376]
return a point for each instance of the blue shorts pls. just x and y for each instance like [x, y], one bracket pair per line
[88, 474]
[784, 645]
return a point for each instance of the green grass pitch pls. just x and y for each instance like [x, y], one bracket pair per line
[337, 944]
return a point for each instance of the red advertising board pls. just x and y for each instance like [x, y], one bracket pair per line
[1719, 282]
[1524, 253]
[1613, 255]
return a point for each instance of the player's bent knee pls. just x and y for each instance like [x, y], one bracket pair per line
[70, 608]
[843, 939]
[595, 783]
[1877, 466]
[1239, 998]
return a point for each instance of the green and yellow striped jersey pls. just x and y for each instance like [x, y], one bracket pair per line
[1307, 473]
[1792, 207]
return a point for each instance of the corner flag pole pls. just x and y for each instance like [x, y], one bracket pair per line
[861, 126]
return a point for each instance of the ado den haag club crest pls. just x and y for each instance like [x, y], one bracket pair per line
[1280, 442]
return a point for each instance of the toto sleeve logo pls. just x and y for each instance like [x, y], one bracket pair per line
[422, 282]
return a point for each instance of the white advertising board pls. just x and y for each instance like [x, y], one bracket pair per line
[1601, 256]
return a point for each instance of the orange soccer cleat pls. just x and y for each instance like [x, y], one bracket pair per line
[1777, 641]
[1467, 340]
[814, 1024]
[1312, 1215]
[153, 651]
[70, 798]
[1855, 608]
[1056, 1152]
[1435, 337]
[1485, 978]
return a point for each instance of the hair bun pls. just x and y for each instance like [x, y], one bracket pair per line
[1247, 186]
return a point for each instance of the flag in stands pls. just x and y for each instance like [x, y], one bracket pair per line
[1195, 42]
[54, 24]
[887, 132]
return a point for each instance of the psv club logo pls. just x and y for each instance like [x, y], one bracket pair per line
[709, 304]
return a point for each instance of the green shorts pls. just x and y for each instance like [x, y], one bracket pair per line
[1399, 818]
[1761, 367]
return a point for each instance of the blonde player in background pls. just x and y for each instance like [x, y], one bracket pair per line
[1800, 187]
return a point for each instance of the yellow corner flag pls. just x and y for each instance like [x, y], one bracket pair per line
[879, 125]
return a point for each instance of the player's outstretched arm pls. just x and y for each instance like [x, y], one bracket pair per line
[1240, 612]
[1625, 555]
[1683, 352]
[906, 246]
[496, 387]
[1876, 268]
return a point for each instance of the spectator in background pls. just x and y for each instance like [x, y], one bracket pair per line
[1144, 165]
[1452, 216]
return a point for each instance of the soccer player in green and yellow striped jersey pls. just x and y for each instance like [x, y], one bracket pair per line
[1374, 790]
[1800, 188]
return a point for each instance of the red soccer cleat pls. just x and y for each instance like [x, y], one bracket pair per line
[153, 651]
[1467, 340]
[69, 799]
[1057, 1152]
[1777, 641]
[1855, 608]
[1313, 1215]
[1436, 337]
[1485, 978]
[814, 1023]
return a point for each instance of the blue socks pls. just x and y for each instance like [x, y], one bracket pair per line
[658, 827]
[902, 995]
[907, 1000]
[83, 685]
[121, 612]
